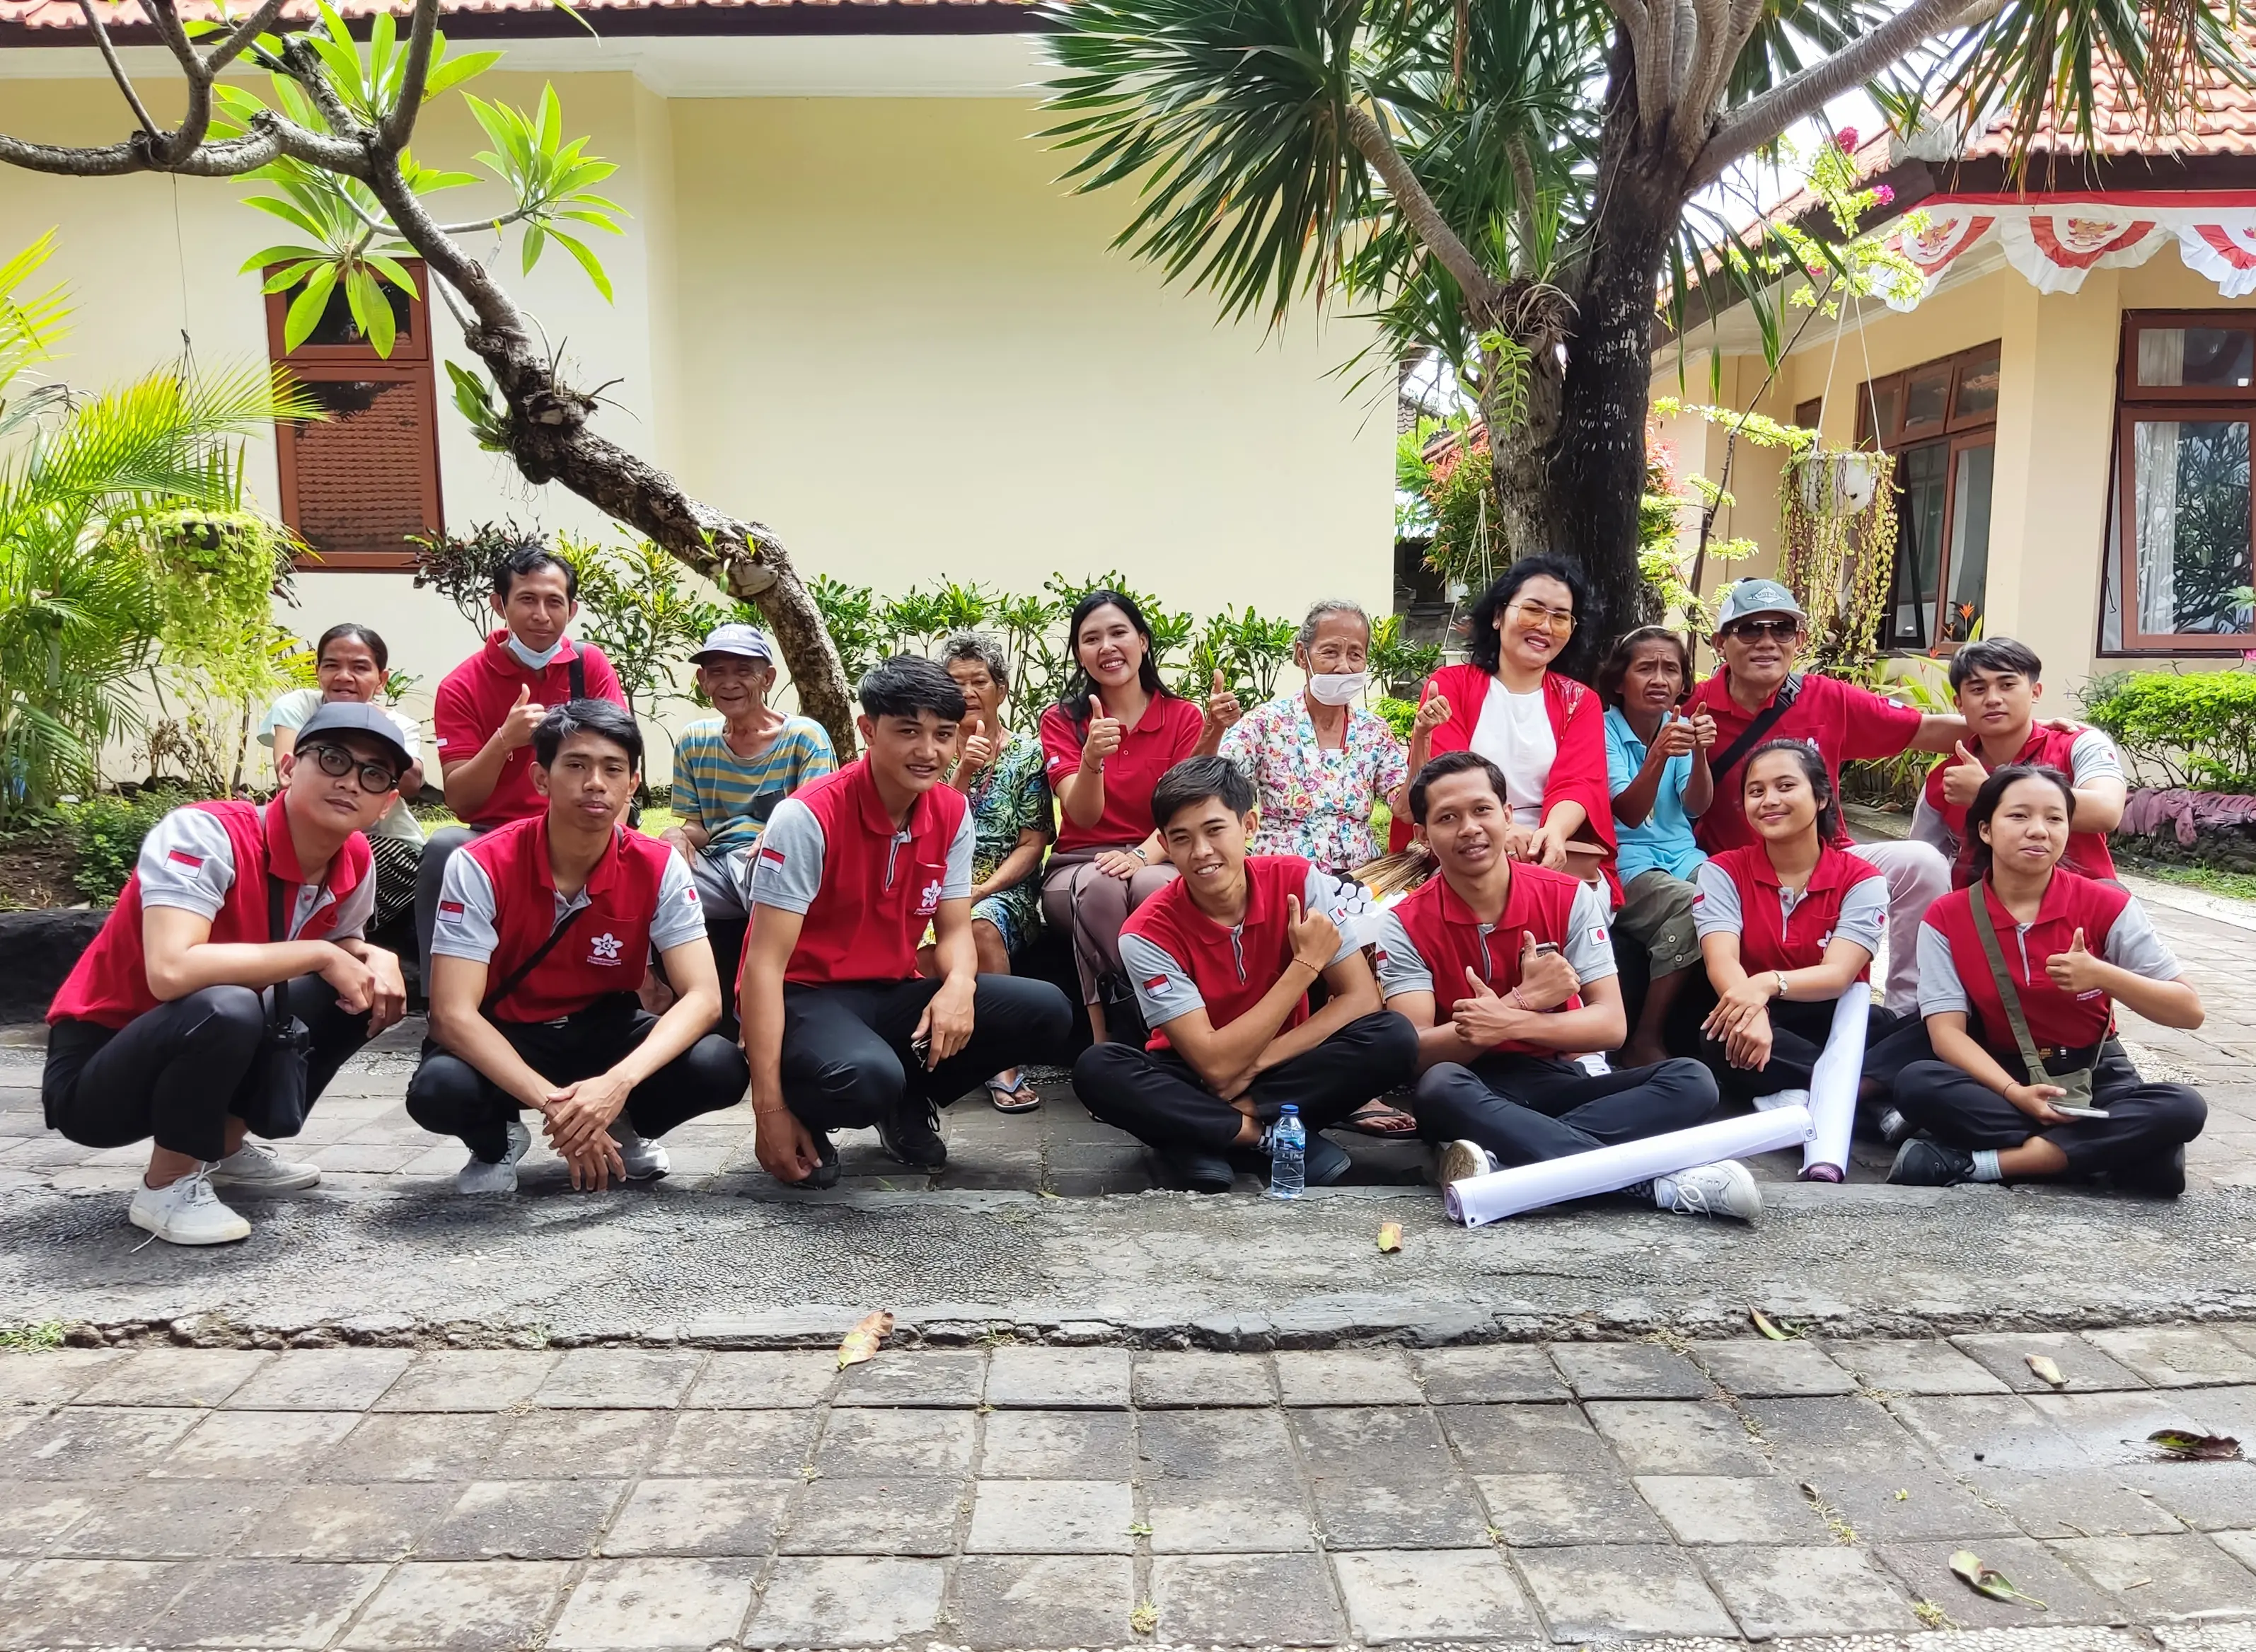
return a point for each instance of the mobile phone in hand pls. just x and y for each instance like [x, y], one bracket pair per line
[1545, 947]
[2066, 1110]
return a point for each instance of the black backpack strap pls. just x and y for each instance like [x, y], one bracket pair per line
[278, 928]
[1765, 720]
[576, 668]
[515, 977]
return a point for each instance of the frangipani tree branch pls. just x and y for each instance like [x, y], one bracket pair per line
[116, 69]
[399, 122]
[272, 138]
[1481, 289]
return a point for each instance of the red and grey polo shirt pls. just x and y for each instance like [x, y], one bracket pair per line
[475, 697]
[1779, 929]
[1842, 721]
[2082, 754]
[1168, 732]
[1428, 940]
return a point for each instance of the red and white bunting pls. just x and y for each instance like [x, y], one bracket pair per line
[2053, 241]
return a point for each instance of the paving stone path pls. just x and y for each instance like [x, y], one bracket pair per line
[389, 1498]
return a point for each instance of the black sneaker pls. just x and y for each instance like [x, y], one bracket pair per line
[1198, 1170]
[911, 1134]
[1326, 1161]
[825, 1174]
[1923, 1163]
[1894, 1128]
[2160, 1177]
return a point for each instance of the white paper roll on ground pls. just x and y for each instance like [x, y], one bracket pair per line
[1833, 1081]
[1481, 1199]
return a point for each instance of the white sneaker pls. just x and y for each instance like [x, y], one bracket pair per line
[1462, 1161]
[255, 1167]
[187, 1211]
[1725, 1187]
[1782, 1098]
[644, 1158]
[478, 1177]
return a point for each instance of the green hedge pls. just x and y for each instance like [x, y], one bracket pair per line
[2194, 729]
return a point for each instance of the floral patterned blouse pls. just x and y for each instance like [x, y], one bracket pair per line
[1316, 803]
[1013, 795]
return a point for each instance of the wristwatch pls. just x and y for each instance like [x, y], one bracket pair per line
[1140, 853]
[1780, 977]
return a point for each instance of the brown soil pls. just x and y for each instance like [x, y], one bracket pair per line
[36, 869]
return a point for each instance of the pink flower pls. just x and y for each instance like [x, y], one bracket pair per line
[1885, 195]
[1846, 137]
[2248, 655]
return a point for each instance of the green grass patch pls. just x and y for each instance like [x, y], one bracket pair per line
[31, 1338]
[2241, 886]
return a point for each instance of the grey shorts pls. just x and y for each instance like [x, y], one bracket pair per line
[1656, 913]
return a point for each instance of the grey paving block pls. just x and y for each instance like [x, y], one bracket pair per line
[1525, 1439]
[944, 1377]
[1196, 1518]
[1371, 1443]
[523, 1520]
[97, 1443]
[1347, 1378]
[857, 1515]
[89, 1602]
[761, 1380]
[170, 1520]
[250, 1445]
[1914, 1367]
[1496, 1373]
[169, 1376]
[1924, 1568]
[1679, 1436]
[2206, 1496]
[321, 1379]
[2005, 1355]
[2112, 1428]
[1245, 1600]
[1970, 1431]
[469, 1380]
[578, 1445]
[1029, 1600]
[657, 1602]
[52, 1376]
[267, 1603]
[2177, 1356]
[839, 1600]
[1051, 1517]
[1628, 1371]
[34, 1513]
[1167, 1381]
[416, 1446]
[2089, 1503]
[2164, 1579]
[620, 1379]
[705, 1516]
[2226, 1411]
[742, 1443]
[1807, 1591]
[1716, 1508]
[1852, 1435]
[478, 1606]
[1080, 1445]
[1916, 1503]
[1552, 1511]
[1465, 1594]
[1755, 1367]
[1058, 1379]
[882, 1441]
[1355, 1512]
[349, 1522]
[1590, 1594]
[1250, 1448]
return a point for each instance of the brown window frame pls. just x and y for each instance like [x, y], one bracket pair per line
[1954, 433]
[410, 363]
[2188, 404]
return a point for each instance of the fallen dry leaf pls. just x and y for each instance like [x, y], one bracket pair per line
[2216, 1448]
[1771, 1328]
[1390, 1236]
[862, 1342]
[2046, 1371]
[1988, 1581]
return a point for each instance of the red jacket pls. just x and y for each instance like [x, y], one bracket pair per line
[1233, 971]
[2087, 853]
[2056, 1020]
[607, 949]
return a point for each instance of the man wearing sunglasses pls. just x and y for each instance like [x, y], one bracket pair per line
[163, 1028]
[1758, 696]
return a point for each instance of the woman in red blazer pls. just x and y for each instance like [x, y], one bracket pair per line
[1512, 704]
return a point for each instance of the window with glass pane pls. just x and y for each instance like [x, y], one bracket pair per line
[1970, 542]
[1937, 420]
[1924, 400]
[2190, 525]
[1977, 386]
[2174, 358]
[1922, 479]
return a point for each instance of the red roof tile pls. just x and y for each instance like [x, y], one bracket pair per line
[63, 17]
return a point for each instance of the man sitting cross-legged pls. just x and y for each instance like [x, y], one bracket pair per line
[1222, 960]
[545, 928]
[843, 1030]
[1506, 970]
[161, 1029]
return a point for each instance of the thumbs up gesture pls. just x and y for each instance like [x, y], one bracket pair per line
[1675, 739]
[1963, 778]
[1547, 980]
[1105, 734]
[1433, 711]
[1221, 707]
[979, 748]
[2076, 969]
[1481, 1018]
[523, 717]
[1316, 937]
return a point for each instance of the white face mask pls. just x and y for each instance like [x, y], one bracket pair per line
[1340, 688]
[530, 660]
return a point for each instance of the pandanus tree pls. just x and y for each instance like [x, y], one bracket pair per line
[328, 136]
[1509, 181]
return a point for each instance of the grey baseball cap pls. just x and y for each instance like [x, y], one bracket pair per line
[743, 642]
[1752, 596]
[350, 716]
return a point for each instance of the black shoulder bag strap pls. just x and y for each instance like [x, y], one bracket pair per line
[1765, 720]
[515, 977]
[2077, 1083]
[576, 668]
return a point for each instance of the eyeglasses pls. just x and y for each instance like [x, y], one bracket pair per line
[336, 762]
[1559, 621]
[1749, 630]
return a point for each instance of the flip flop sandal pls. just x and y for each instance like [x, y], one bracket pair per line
[1376, 1119]
[1013, 1097]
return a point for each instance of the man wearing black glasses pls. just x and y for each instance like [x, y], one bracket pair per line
[232, 961]
[1758, 696]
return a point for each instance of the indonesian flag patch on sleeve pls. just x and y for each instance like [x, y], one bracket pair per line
[452, 908]
[1157, 983]
[194, 863]
[774, 855]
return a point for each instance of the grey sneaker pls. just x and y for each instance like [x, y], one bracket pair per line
[1725, 1187]
[1462, 1161]
[646, 1160]
[500, 1175]
[255, 1167]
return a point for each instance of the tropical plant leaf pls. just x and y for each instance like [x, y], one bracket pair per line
[863, 1342]
[2185, 1443]
[1989, 1581]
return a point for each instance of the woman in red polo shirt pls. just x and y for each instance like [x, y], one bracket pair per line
[1105, 746]
[2071, 949]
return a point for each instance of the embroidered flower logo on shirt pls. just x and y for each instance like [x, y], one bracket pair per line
[604, 948]
[928, 902]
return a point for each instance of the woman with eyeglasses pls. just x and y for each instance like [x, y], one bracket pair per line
[1514, 702]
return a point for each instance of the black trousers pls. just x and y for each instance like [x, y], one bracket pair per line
[430, 879]
[846, 1059]
[1158, 1097]
[1798, 1033]
[1525, 1109]
[179, 1072]
[450, 1097]
[2147, 1120]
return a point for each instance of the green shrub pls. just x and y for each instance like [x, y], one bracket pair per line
[2197, 729]
[105, 832]
[1398, 715]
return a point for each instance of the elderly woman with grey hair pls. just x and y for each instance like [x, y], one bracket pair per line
[1000, 773]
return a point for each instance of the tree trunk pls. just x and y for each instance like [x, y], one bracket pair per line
[1519, 451]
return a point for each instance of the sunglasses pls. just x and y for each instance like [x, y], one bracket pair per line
[336, 762]
[1559, 621]
[1749, 630]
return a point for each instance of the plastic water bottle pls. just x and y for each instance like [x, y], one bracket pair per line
[1288, 1155]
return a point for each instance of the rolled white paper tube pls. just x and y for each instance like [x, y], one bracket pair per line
[1481, 1199]
[1833, 1081]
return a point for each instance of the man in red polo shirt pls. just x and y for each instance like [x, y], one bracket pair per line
[163, 1028]
[1505, 971]
[487, 708]
[842, 1032]
[545, 928]
[1222, 960]
[1757, 632]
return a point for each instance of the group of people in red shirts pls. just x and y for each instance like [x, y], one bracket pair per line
[234, 977]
